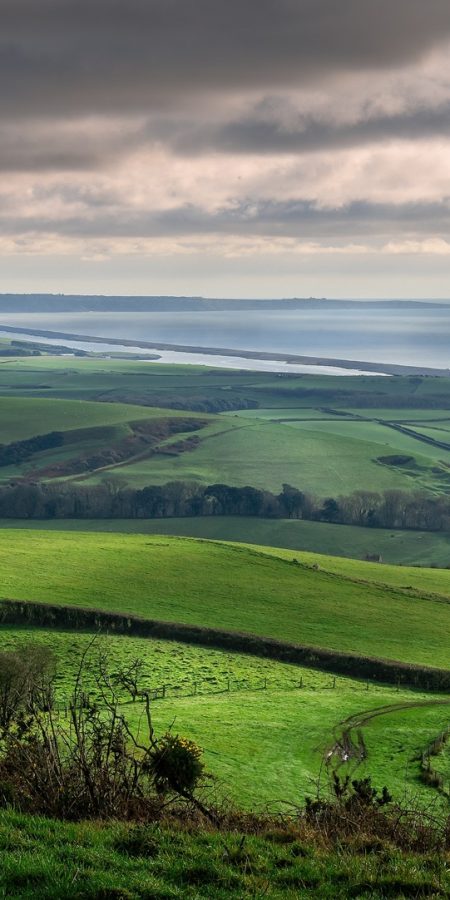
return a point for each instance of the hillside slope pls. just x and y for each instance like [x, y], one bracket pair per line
[237, 588]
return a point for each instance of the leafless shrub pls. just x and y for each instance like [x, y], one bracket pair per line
[88, 761]
[26, 681]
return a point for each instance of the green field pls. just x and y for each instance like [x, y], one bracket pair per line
[88, 429]
[342, 605]
[319, 433]
[267, 454]
[23, 418]
[278, 413]
[265, 726]
[418, 398]
[406, 548]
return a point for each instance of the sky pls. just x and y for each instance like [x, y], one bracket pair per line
[225, 148]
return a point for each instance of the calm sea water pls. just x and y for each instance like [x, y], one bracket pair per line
[197, 359]
[411, 337]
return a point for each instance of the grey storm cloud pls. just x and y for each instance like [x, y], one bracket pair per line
[85, 84]
[23, 152]
[254, 134]
[40, 149]
[74, 57]
[291, 219]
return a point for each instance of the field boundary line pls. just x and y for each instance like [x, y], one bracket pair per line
[393, 672]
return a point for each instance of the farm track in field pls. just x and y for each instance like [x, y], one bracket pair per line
[85, 476]
[349, 745]
[147, 454]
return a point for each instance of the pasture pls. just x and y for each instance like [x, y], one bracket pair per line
[300, 433]
[406, 548]
[97, 435]
[327, 602]
[265, 727]
[319, 433]
[23, 418]
[266, 455]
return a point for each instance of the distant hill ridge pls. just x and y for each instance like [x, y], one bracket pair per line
[13, 303]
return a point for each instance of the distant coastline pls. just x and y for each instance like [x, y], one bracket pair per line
[79, 303]
[372, 367]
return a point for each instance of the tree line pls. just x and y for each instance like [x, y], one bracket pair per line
[114, 499]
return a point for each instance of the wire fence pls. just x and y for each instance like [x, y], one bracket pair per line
[203, 687]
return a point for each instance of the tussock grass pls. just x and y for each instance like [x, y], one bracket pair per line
[52, 860]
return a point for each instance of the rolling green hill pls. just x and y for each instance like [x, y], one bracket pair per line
[22, 418]
[82, 435]
[319, 433]
[265, 726]
[410, 548]
[373, 610]
[325, 458]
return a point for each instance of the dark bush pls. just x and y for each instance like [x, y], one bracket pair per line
[176, 764]
[86, 762]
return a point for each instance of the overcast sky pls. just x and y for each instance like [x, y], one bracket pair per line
[239, 148]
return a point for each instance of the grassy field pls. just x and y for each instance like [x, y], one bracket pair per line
[438, 417]
[87, 427]
[406, 548]
[373, 432]
[265, 726]
[264, 736]
[342, 604]
[319, 433]
[23, 418]
[23, 375]
[266, 454]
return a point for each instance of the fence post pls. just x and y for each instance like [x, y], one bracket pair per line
[164, 692]
[228, 684]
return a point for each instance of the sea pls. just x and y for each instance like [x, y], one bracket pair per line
[416, 336]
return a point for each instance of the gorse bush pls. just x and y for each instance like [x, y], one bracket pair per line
[176, 764]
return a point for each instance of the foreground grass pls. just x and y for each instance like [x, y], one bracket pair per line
[392, 614]
[48, 860]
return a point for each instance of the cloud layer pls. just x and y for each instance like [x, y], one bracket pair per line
[163, 129]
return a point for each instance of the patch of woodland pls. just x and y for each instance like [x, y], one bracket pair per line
[30, 498]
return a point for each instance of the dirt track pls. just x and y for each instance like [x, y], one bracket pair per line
[349, 745]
